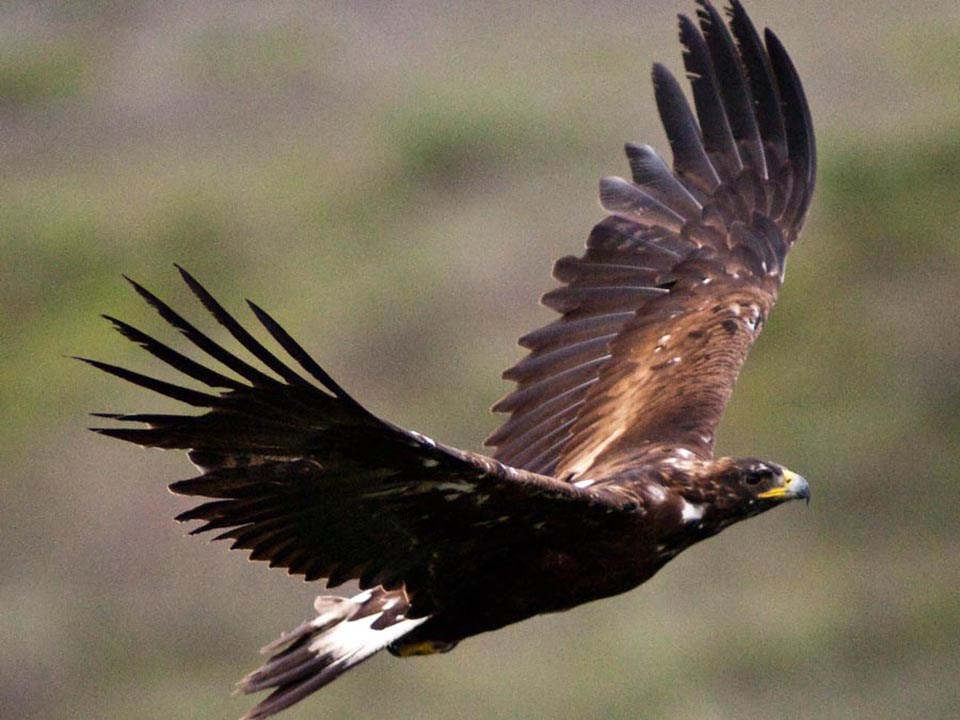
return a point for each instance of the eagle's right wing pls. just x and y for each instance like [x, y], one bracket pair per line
[297, 472]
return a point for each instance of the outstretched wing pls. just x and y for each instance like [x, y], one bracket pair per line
[297, 472]
[676, 282]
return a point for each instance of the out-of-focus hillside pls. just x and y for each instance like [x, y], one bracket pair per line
[393, 183]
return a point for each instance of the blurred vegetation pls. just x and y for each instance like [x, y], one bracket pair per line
[35, 75]
[393, 182]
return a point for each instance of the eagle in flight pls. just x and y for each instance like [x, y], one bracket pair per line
[604, 469]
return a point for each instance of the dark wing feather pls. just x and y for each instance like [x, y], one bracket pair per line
[690, 161]
[802, 148]
[763, 86]
[732, 86]
[659, 313]
[298, 473]
[715, 128]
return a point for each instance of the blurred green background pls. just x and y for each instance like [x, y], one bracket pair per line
[393, 182]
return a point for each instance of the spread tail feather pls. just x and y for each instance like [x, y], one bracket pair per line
[345, 632]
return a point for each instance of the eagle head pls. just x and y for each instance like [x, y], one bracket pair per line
[744, 487]
[717, 493]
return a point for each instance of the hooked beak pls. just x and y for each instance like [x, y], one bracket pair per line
[793, 487]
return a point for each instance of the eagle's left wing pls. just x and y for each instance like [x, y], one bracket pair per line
[658, 315]
[297, 472]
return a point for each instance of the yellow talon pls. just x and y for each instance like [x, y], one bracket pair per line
[427, 647]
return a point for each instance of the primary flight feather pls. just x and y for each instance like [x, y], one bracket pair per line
[604, 469]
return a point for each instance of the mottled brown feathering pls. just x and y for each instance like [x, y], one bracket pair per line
[658, 314]
[604, 469]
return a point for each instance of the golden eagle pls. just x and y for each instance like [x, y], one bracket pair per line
[604, 470]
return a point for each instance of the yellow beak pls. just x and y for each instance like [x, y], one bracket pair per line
[792, 487]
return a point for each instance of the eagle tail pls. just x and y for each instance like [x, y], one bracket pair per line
[345, 632]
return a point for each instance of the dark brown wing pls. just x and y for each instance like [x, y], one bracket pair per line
[659, 313]
[297, 472]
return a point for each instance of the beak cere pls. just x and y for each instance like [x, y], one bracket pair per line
[793, 487]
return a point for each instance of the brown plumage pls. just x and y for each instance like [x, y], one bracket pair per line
[604, 470]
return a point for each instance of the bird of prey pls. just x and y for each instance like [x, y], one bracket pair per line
[604, 469]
